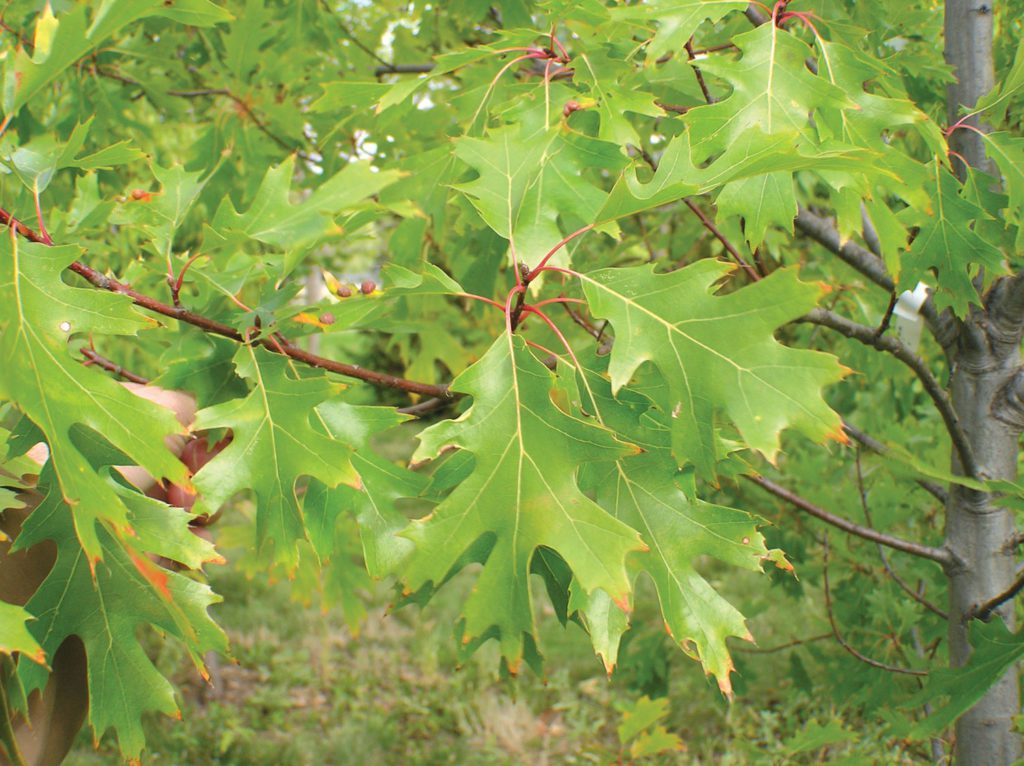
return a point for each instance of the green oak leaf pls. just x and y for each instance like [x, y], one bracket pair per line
[1003, 92]
[105, 609]
[995, 649]
[763, 201]
[948, 244]
[1007, 152]
[522, 494]
[529, 179]
[646, 492]
[38, 313]
[36, 162]
[601, 71]
[382, 483]
[164, 212]
[15, 636]
[245, 39]
[772, 90]
[677, 20]
[752, 154]
[278, 437]
[272, 219]
[63, 40]
[717, 354]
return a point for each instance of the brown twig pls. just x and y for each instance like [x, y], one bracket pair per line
[876, 446]
[730, 248]
[914, 594]
[782, 647]
[939, 555]
[275, 343]
[984, 610]
[839, 637]
[93, 358]
[700, 75]
[582, 321]
[709, 225]
[932, 387]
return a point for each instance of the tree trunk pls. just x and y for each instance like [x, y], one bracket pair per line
[980, 534]
[985, 363]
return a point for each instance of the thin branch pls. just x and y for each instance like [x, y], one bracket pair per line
[700, 75]
[781, 647]
[918, 597]
[842, 642]
[939, 555]
[894, 346]
[428, 406]
[864, 261]
[708, 224]
[874, 445]
[93, 358]
[582, 321]
[985, 610]
[403, 69]
[730, 248]
[240, 103]
[871, 266]
[274, 343]
[355, 40]
[886, 317]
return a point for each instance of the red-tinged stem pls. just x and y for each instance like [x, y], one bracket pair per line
[729, 247]
[560, 299]
[7, 219]
[554, 328]
[953, 153]
[539, 347]
[556, 43]
[510, 326]
[805, 17]
[963, 125]
[559, 269]
[481, 298]
[547, 92]
[543, 261]
[526, 48]
[177, 284]
[43, 233]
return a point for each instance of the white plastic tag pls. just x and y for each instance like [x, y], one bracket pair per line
[907, 312]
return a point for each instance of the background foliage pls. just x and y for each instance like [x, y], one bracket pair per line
[557, 237]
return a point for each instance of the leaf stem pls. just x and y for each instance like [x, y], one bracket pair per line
[566, 240]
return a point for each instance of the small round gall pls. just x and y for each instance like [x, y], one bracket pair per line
[367, 287]
[327, 318]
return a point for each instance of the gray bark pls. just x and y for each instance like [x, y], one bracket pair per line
[983, 390]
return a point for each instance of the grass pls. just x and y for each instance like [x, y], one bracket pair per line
[304, 689]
